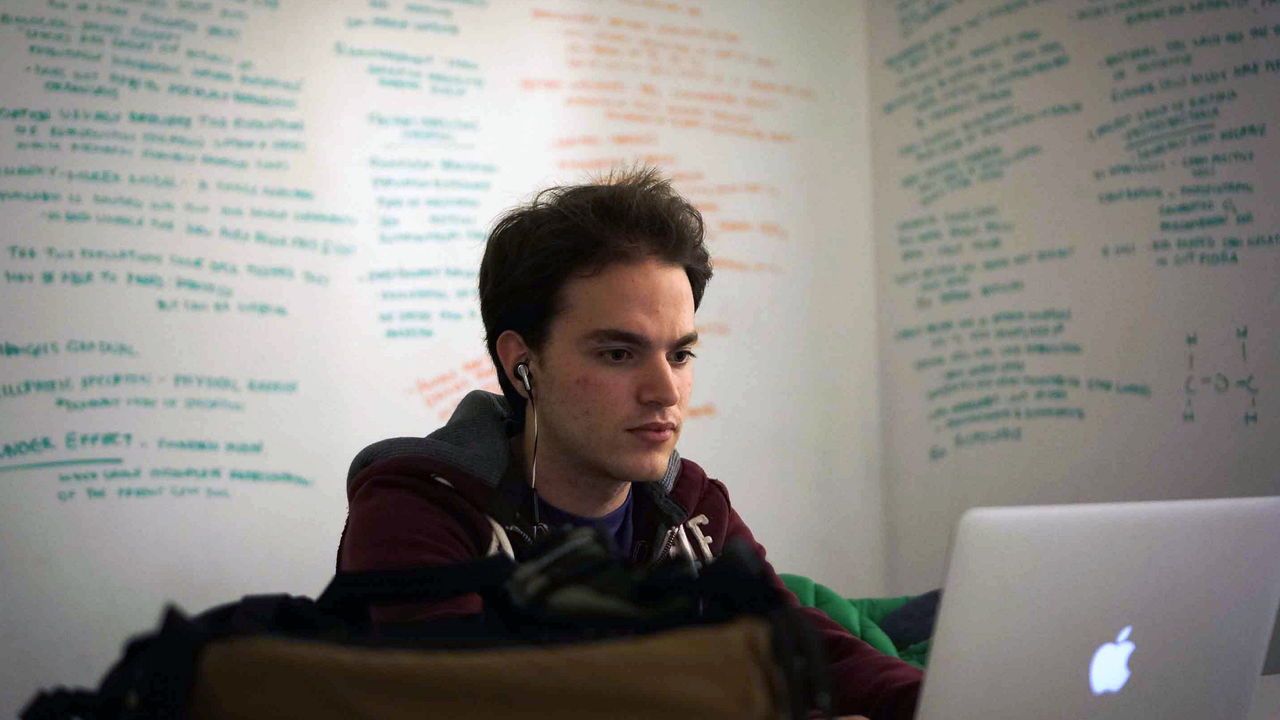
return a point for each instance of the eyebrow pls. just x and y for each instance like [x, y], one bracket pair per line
[635, 339]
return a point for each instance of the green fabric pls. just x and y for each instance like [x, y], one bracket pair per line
[917, 654]
[860, 616]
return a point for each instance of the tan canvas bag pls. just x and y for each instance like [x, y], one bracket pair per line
[704, 672]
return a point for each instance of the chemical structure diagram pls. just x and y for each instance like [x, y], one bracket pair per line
[1202, 384]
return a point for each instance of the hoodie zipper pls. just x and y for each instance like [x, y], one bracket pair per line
[667, 542]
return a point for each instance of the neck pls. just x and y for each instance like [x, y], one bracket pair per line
[566, 488]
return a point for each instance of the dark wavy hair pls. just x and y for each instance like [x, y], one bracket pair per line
[575, 231]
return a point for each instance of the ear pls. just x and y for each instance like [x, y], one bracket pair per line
[511, 351]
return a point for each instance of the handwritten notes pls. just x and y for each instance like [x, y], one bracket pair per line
[1074, 223]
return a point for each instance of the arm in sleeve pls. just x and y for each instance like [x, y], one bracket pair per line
[864, 680]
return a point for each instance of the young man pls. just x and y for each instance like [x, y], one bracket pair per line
[588, 297]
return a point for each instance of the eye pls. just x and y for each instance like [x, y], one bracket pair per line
[687, 356]
[616, 355]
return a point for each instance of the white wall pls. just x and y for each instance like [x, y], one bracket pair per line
[797, 382]
[350, 185]
[1108, 173]
[1100, 177]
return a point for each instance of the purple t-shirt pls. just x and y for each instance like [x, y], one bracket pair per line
[616, 524]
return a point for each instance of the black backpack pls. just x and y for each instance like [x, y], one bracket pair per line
[571, 589]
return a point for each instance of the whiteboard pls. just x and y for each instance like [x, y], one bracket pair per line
[1078, 255]
[241, 243]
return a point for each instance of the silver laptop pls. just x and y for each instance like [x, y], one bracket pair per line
[1125, 610]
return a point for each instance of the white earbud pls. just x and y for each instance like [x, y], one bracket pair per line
[522, 372]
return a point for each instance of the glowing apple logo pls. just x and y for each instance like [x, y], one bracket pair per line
[1109, 670]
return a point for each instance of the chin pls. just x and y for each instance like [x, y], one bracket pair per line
[652, 467]
[632, 469]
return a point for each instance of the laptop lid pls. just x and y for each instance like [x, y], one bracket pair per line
[1120, 610]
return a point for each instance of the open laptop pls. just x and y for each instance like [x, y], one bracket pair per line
[1123, 610]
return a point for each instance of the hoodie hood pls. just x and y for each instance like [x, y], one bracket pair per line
[475, 441]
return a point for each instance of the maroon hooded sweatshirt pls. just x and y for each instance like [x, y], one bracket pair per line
[417, 502]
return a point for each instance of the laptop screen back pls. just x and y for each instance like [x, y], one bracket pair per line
[1106, 611]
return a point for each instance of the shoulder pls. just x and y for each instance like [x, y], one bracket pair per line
[412, 510]
[692, 486]
[424, 473]
[701, 494]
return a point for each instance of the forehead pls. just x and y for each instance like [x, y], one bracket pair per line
[648, 297]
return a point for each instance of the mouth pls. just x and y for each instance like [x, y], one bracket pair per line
[655, 433]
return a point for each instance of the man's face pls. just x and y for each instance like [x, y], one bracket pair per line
[616, 358]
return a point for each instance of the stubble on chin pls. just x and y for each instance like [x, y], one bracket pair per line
[656, 466]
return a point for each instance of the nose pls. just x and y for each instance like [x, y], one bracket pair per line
[659, 384]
